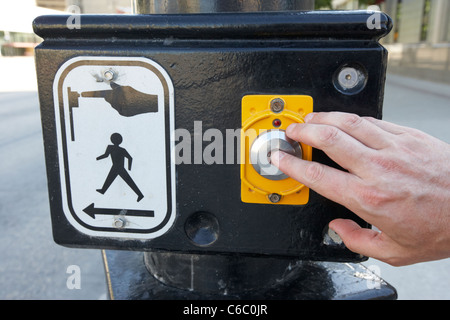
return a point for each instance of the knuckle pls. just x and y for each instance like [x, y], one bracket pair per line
[352, 120]
[329, 135]
[370, 119]
[372, 197]
[314, 172]
[352, 245]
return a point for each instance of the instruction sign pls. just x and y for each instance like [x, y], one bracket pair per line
[114, 118]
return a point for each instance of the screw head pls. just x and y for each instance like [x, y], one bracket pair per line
[274, 197]
[119, 223]
[109, 75]
[277, 105]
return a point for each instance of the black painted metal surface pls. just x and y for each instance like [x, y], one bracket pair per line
[213, 61]
[128, 279]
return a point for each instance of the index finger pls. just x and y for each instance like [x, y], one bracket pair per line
[338, 145]
[333, 184]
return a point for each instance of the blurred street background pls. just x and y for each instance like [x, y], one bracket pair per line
[32, 266]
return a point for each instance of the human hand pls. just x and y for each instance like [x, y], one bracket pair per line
[398, 180]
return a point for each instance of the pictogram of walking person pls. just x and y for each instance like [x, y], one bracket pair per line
[118, 155]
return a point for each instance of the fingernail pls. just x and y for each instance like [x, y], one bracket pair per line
[276, 157]
[309, 117]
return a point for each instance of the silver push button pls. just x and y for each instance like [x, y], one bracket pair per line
[263, 147]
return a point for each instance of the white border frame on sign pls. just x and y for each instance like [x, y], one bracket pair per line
[62, 173]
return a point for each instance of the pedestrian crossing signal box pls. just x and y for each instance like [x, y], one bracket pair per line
[142, 118]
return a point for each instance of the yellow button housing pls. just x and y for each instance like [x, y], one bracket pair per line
[261, 113]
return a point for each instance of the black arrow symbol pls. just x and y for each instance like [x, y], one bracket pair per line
[92, 211]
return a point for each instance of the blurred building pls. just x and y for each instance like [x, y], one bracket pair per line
[16, 31]
[16, 18]
[90, 6]
[419, 44]
[52, 4]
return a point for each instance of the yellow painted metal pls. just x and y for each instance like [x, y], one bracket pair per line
[257, 117]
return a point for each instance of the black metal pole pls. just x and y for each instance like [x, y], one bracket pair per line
[230, 274]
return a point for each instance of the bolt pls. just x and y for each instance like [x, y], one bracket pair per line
[349, 77]
[277, 105]
[109, 75]
[119, 223]
[274, 197]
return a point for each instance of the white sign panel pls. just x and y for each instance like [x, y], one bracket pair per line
[114, 117]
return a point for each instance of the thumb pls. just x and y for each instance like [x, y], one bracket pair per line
[364, 241]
